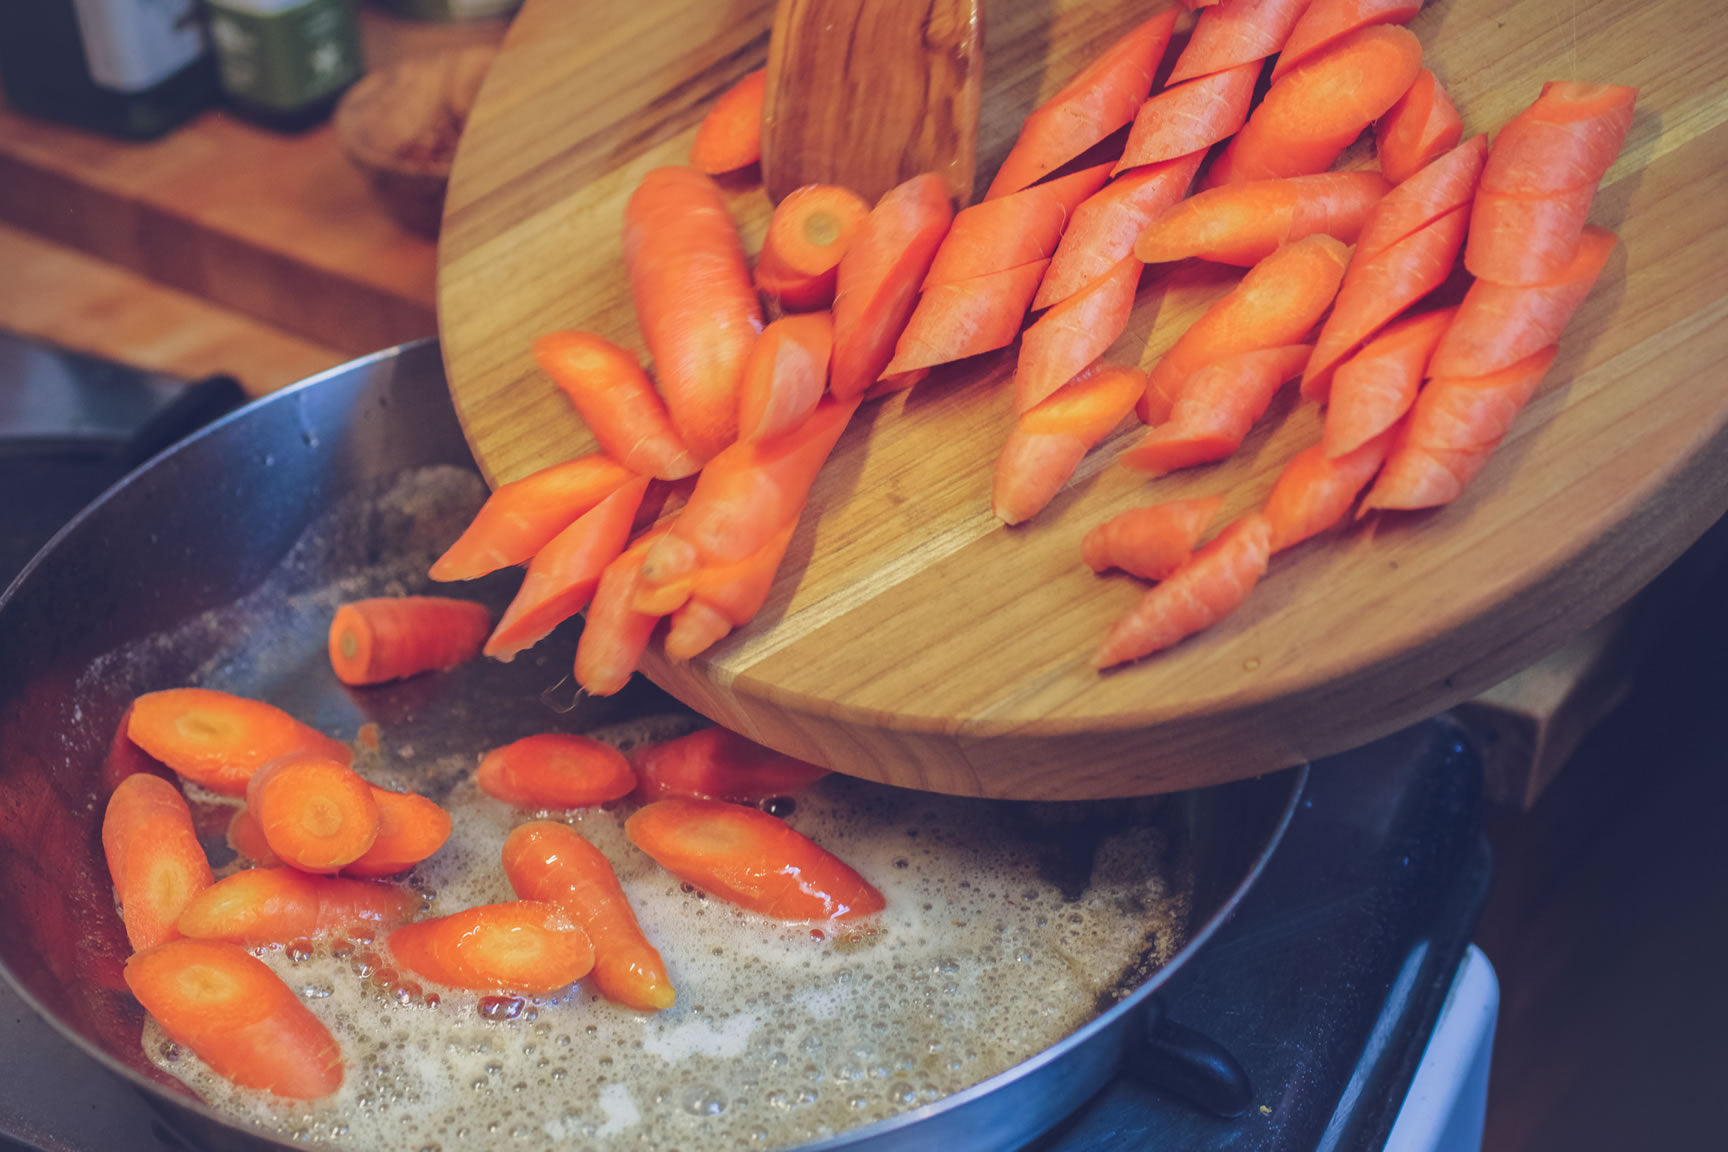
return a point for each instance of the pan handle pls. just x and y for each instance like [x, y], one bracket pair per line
[1190, 1065]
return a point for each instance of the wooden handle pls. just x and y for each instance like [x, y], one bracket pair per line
[867, 93]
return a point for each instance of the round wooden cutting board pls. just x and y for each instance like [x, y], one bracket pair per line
[913, 639]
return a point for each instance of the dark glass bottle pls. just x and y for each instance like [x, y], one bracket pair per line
[285, 63]
[132, 68]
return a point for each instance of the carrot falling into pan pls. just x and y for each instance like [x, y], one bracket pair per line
[389, 638]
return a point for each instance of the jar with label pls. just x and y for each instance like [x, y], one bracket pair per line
[132, 68]
[285, 63]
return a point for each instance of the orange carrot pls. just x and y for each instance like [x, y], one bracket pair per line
[410, 829]
[1498, 325]
[1526, 239]
[1419, 129]
[1443, 186]
[1100, 99]
[1053, 436]
[1373, 389]
[724, 597]
[219, 740]
[562, 576]
[1149, 542]
[785, 376]
[967, 317]
[807, 235]
[1011, 231]
[1456, 424]
[553, 864]
[615, 635]
[276, 905]
[318, 815]
[1215, 408]
[1211, 585]
[1276, 304]
[878, 279]
[617, 401]
[125, 758]
[1315, 490]
[556, 770]
[391, 638]
[730, 136]
[1324, 22]
[153, 857]
[1189, 118]
[525, 946]
[237, 1016]
[1074, 333]
[247, 839]
[1106, 224]
[751, 859]
[694, 301]
[718, 764]
[1313, 113]
[521, 517]
[1235, 33]
[1245, 223]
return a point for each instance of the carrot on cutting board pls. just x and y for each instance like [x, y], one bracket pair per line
[617, 401]
[525, 946]
[751, 859]
[730, 136]
[276, 905]
[785, 376]
[218, 740]
[1324, 22]
[966, 317]
[1235, 33]
[1188, 118]
[718, 764]
[1150, 542]
[1010, 231]
[553, 864]
[1100, 99]
[694, 301]
[391, 638]
[556, 770]
[562, 576]
[317, 814]
[807, 235]
[237, 1016]
[522, 517]
[1315, 490]
[154, 857]
[1215, 409]
[1420, 128]
[1052, 437]
[1074, 333]
[410, 829]
[725, 597]
[614, 634]
[1106, 224]
[1441, 186]
[1245, 223]
[1373, 389]
[1210, 586]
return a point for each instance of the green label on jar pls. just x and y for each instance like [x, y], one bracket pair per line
[285, 54]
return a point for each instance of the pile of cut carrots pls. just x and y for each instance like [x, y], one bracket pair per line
[1352, 285]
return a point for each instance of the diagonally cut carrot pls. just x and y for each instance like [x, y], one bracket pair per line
[556, 770]
[615, 635]
[1150, 542]
[524, 946]
[1074, 333]
[1419, 129]
[1235, 33]
[521, 517]
[410, 829]
[276, 905]
[1315, 491]
[1373, 389]
[1245, 223]
[1324, 22]
[730, 136]
[153, 857]
[617, 401]
[1013, 230]
[217, 739]
[1217, 406]
[807, 235]
[1567, 138]
[1526, 239]
[718, 764]
[1188, 118]
[966, 317]
[785, 376]
[724, 597]
[1050, 439]
[1443, 185]
[1106, 224]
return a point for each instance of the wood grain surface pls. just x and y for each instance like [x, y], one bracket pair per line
[910, 638]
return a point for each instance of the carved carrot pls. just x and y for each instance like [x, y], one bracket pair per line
[718, 764]
[1217, 406]
[1106, 224]
[785, 376]
[1420, 128]
[525, 946]
[556, 770]
[1245, 223]
[1052, 437]
[1314, 491]
[1149, 542]
[1373, 389]
[522, 517]
[1324, 22]
[1074, 333]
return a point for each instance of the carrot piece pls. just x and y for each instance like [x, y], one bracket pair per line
[525, 946]
[318, 815]
[785, 376]
[125, 758]
[615, 635]
[1149, 542]
[562, 576]
[1235, 33]
[1456, 424]
[218, 740]
[724, 597]
[556, 770]
[1276, 304]
[1189, 118]
[1315, 491]
[237, 1016]
[521, 517]
[1526, 239]
[694, 301]
[1216, 407]
[1100, 99]
[1211, 585]
[1074, 333]
[1313, 113]
[807, 235]
[1420, 128]
[967, 317]
[1324, 22]
[247, 839]
[1373, 389]
[391, 638]
[1011, 231]
[1568, 138]
[718, 764]
[1053, 436]
[617, 401]
[1106, 224]
[751, 859]
[878, 279]
[1245, 223]
[153, 857]
[1498, 325]
[730, 136]
[553, 864]
[1444, 185]
[276, 905]
[410, 829]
